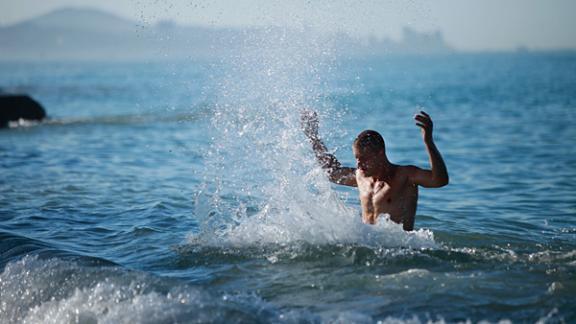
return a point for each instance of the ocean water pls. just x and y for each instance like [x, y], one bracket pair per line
[185, 191]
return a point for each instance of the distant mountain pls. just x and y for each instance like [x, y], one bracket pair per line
[79, 19]
[88, 34]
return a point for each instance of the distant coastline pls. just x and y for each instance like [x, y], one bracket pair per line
[83, 34]
[89, 34]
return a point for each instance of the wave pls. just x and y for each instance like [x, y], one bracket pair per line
[41, 283]
[15, 246]
[421, 254]
[34, 290]
[56, 291]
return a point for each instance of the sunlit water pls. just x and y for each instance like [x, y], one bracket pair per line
[186, 191]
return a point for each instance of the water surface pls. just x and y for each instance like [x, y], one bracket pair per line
[186, 192]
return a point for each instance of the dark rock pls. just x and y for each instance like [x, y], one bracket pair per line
[16, 107]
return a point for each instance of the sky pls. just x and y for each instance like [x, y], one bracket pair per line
[468, 25]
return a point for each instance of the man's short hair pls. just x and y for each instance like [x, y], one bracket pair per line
[369, 139]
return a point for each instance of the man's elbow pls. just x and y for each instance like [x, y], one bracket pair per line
[443, 182]
[440, 182]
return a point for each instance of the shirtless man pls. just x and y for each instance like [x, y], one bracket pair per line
[384, 188]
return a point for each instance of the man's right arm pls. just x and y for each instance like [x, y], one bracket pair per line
[336, 173]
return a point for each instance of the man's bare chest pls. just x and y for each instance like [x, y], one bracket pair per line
[379, 193]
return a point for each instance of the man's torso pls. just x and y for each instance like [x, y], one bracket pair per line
[395, 196]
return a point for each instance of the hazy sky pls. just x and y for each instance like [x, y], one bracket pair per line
[466, 24]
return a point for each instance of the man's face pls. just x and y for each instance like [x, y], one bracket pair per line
[367, 160]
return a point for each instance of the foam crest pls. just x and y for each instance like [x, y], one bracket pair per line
[263, 183]
[55, 291]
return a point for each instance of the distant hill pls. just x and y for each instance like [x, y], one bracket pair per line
[88, 34]
[79, 19]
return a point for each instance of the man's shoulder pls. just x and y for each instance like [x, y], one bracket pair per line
[407, 170]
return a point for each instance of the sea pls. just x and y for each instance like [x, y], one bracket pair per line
[184, 190]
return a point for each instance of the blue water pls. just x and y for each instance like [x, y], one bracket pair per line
[185, 191]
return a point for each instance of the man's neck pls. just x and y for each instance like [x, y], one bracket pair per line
[386, 171]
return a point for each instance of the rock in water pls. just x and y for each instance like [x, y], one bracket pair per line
[17, 107]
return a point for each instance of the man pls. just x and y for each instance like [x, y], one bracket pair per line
[384, 188]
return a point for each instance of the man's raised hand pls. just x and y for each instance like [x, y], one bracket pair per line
[424, 121]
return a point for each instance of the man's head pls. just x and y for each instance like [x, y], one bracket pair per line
[369, 150]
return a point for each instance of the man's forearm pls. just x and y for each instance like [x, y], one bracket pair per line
[439, 171]
[327, 161]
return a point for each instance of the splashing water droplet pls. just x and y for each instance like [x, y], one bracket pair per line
[261, 162]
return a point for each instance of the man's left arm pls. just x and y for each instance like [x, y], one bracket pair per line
[438, 175]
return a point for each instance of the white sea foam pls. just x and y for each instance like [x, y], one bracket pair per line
[55, 291]
[22, 123]
[34, 290]
[266, 187]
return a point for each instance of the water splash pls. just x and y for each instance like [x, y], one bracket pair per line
[264, 185]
